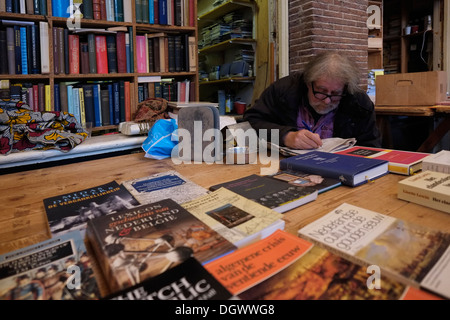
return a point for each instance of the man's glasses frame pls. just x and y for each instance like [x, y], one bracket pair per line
[323, 96]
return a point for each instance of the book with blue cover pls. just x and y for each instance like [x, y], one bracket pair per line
[351, 171]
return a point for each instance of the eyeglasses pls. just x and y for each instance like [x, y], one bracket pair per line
[323, 96]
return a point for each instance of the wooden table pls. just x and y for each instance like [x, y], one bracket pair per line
[436, 111]
[23, 218]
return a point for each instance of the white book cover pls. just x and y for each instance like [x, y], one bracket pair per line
[437, 162]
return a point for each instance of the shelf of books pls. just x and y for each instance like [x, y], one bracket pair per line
[227, 45]
[100, 59]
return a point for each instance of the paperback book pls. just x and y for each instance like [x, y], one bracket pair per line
[400, 162]
[412, 254]
[147, 240]
[427, 188]
[437, 162]
[274, 194]
[286, 267]
[168, 184]
[55, 269]
[351, 171]
[236, 218]
[71, 211]
[187, 281]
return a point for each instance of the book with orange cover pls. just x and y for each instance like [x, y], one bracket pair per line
[400, 161]
[286, 267]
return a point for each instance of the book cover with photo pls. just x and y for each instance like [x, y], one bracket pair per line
[286, 267]
[71, 211]
[55, 269]
[301, 179]
[140, 243]
[410, 253]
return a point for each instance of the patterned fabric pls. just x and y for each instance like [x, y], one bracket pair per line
[22, 129]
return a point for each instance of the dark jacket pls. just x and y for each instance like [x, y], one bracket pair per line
[278, 105]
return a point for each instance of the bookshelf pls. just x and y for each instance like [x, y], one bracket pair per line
[132, 18]
[375, 35]
[227, 49]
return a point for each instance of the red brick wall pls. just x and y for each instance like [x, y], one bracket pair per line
[315, 26]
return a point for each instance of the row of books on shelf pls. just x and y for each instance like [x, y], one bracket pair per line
[92, 51]
[161, 52]
[163, 12]
[24, 47]
[164, 230]
[168, 88]
[37, 7]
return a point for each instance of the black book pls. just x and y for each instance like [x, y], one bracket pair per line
[122, 101]
[89, 103]
[17, 50]
[171, 53]
[35, 49]
[66, 51]
[178, 54]
[104, 95]
[87, 11]
[151, 62]
[111, 53]
[187, 281]
[3, 53]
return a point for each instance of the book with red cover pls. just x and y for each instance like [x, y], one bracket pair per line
[141, 57]
[101, 54]
[74, 54]
[96, 8]
[121, 52]
[401, 162]
[127, 101]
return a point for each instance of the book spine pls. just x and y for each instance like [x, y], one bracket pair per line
[138, 11]
[171, 53]
[56, 97]
[96, 10]
[128, 52]
[111, 50]
[122, 101]
[97, 105]
[156, 11]
[116, 99]
[36, 7]
[424, 197]
[44, 47]
[29, 7]
[89, 103]
[67, 53]
[111, 103]
[127, 101]
[35, 98]
[43, 7]
[56, 65]
[82, 106]
[92, 53]
[61, 51]
[162, 5]
[48, 98]
[11, 51]
[88, 12]
[17, 50]
[35, 58]
[140, 54]
[127, 11]
[192, 47]
[74, 54]
[84, 57]
[151, 12]
[63, 97]
[76, 104]
[151, 49]
[70, 100]
[104, 96]
[103, 15]
[130, 31]
[118, 10]
[41, 88]
[121, 52]
[145, 11]
[109, 10]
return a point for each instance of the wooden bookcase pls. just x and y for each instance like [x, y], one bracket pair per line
[215, 55]
[136, 28]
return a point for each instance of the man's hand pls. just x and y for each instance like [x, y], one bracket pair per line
[302, 139]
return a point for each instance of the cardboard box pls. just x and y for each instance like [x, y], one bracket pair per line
[411, 89]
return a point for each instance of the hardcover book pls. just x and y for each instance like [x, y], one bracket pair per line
[71, 211]
[145, 241]
[351, 171]
[274, 194]
[401, 162]
[235, 217]
[298, 178]
[167, 184]
[286, 267]
[55, 269]
[187, 281]
[428, 188]
[437, 162]
[412, 254]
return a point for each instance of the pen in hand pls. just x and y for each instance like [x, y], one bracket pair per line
[306, 126]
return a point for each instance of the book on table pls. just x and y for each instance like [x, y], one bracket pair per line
[400, 161]
[55, 269]
[274, 194]
[427, 188]
[410, 253]
[139, 243]
[351, 171]
[189, 280]
[315, 181]
[286, 267]
[71, 211]
[439, 161]
[238, 219]
[167, 184]
[333, 144]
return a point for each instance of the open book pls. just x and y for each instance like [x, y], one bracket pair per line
[329, 145]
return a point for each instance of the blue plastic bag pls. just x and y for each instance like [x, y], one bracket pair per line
[161, 139]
